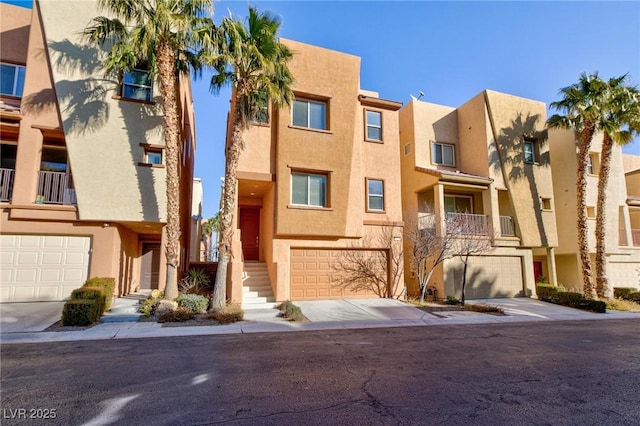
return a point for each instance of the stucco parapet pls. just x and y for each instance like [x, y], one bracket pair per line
[379, 103]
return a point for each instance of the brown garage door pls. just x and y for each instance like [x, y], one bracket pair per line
[312, 276]
[487, 277]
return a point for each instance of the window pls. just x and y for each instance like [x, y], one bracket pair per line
[591, 212]
[407, 149]
[592, 164]
[136, 84]
[374, 125]
[309, 189]
[310, 114]
[12, 79]
[261, 113]
[529, 151]
[375, 195]
[153, 157]
[546, 203]
[458, 204]
[443, 154]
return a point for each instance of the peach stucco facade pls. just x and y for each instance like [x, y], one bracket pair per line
[75, 163]
[339, 153]
[467, 162]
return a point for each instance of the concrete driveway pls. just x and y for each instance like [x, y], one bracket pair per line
[29, 316]
[392, 309]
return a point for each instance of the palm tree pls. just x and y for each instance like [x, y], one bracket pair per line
[160, 33]
[254, 62]
[621, 123]
[583, 104]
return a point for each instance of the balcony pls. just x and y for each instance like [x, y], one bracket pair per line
[6, 184]
[55, 188]
[467, 224]
[457, 223]
[507, 226]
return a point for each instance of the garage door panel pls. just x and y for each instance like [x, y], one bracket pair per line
[312, 275]
[42, 267]
[487, 277]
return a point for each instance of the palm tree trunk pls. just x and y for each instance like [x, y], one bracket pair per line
[171, 127]
[233, 149]
[602, 283]
[581, 188]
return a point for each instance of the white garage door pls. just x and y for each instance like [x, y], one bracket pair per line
[42, 267]
[624, 274]
[487, 277]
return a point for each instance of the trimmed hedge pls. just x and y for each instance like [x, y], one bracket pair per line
[635, 297]
[81, 312]
[623, 292]
[96, 293]
[558, 295]
[109, 284]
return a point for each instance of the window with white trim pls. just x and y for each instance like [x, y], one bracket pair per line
[308, 189]
[12, 79]
[443, 154]
[373, 125]
[375, 195]
[153, 156]
[137, 84]
[309, 114]
[458, 204]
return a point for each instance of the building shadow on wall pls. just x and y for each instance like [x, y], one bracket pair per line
[84, 109]
[510, 156]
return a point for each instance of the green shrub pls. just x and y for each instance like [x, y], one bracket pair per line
[195, 282]
[284, 305]
[227, 315]
[452, 300]
[80, 312]
[96, 293]
[149, 305]
[548, 292]
[109, 284]
[568, 298]
[592, 305]
[293, 313]
[634, 297]
[622, 292]
[179, 315]
[193, 302]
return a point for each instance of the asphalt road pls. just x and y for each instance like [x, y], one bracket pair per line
[564, 373]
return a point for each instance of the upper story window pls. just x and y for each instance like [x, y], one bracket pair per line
[593, 164]
[309, 189]
[374, 125]
[530, 148]
[12, 79]
[137, 84]
[262, 115]
[375, 195]
[458, 204]
[443, 154]
[310, 114]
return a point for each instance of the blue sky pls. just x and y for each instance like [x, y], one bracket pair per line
[451, 51]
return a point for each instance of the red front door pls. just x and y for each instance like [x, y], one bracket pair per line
[250, 233]
[537, 270]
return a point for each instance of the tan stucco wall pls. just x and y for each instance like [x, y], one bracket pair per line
[103, 134]
[511, 118]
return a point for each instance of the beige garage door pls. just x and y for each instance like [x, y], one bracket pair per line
[312, 276]
[624, 274]
[42, 267]
[487, 276]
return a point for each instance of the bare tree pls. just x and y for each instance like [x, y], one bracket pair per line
[472, 237]
[430, 246]
[375, 265]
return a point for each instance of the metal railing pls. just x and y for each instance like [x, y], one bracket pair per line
[6, 184]
[55, 188]
[467, 224]
[507, 226]
[426, 220]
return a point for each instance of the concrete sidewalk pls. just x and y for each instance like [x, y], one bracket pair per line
[329, 315]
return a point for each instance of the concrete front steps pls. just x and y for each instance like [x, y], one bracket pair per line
[256, 287]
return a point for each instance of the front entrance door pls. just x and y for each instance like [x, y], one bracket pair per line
[537, 270]
[250, 232]
[150, 266]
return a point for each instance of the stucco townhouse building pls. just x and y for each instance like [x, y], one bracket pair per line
[82, 180]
